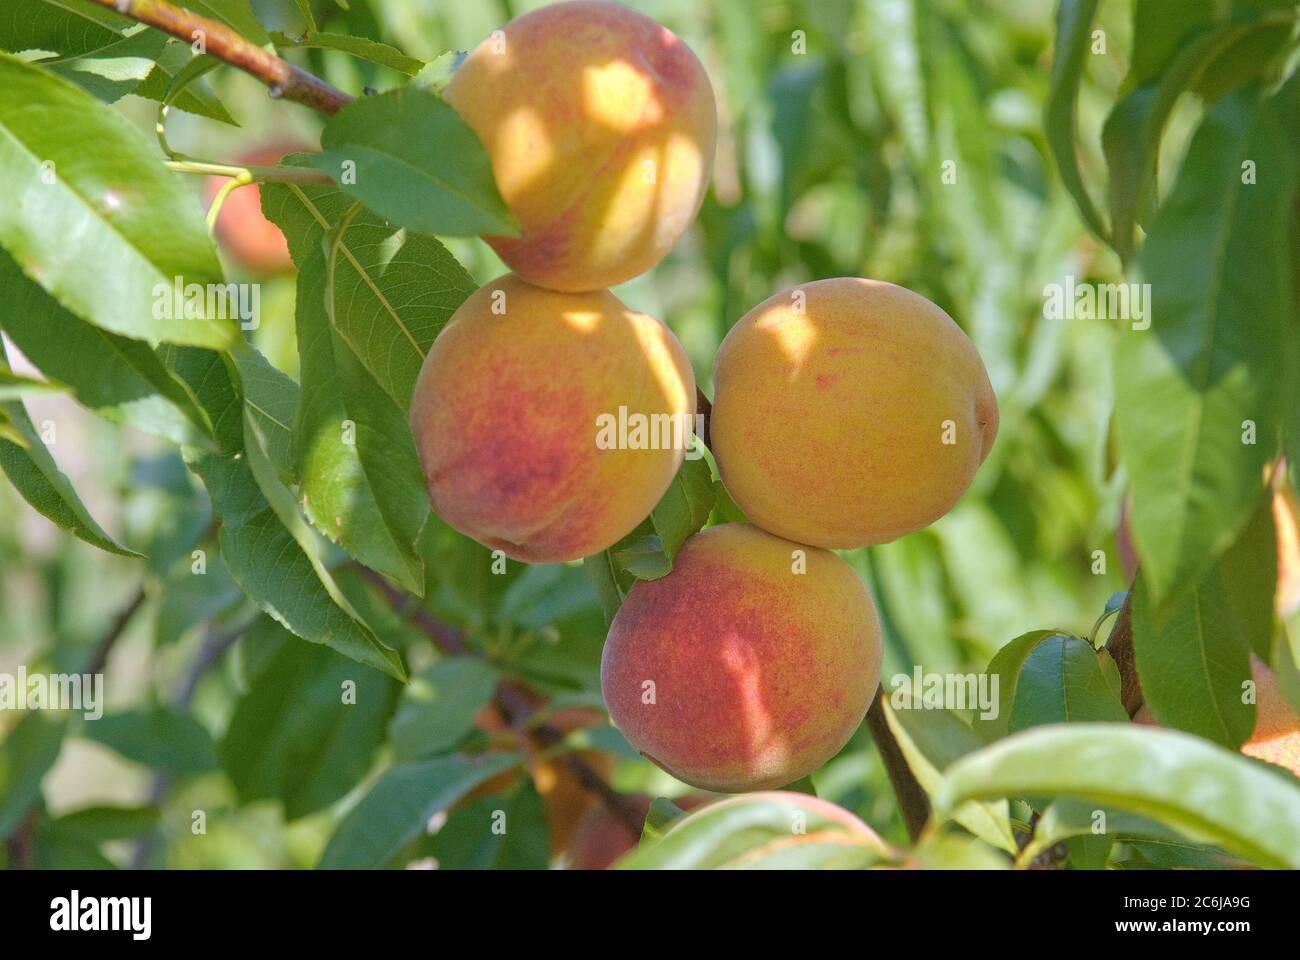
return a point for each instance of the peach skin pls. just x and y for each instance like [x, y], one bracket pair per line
[849, 412]
[507, 415]
[748, 666]
[600, 125]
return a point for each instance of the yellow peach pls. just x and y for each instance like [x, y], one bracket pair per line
[849, 412]
[600, 125]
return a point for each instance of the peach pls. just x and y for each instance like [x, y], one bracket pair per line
[1286, 517]
[600, 838]
[1276, 737]
[511, 415]
[748, 666]
[849, 412]
[250, 239]
[600, 125]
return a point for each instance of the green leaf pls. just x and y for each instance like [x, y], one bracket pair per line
[1132, 133]
[15, 387]
[1249, 572]
[37, 478]
[399, 806]
[416, 163]
[278, 573]
[1072, 817]
[271, 398]
[113, 71]
[659, 820]
[1187, 389]
[138, 225]
[119, 378]
[1006, 666]
[307, 730]
[684, 509]
[758, 831]
[1207, 793]
[932, 740]
[234, 13]
[1192, 660]
[361, 480]
[600, 570]
[158, 737]
[362, 48]
[176, 79]
[644, 557]
[439, 705]
[97, 824]
[1073, 36]
[437, 73]
[26, 754]
[70, 28]
[496, 833]
[1061, 682]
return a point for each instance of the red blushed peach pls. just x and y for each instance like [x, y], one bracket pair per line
[509, 412]
[600, 125]
[250, 239]
[748, 666]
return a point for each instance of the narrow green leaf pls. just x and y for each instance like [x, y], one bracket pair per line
[496, 833]
[37, 478]
[399, 806]
[1197, 393]
[97, 824]
[118, 378]
[362, 48]
[158, 737]
[307, 730]
[176, 79]
[137, 224]
[931, 741]
[1073, 35]
[277, 573]
[26, 754]
[1207, 793]
[685, 507]
[1192, 660]
[416, 163]
[439, 705]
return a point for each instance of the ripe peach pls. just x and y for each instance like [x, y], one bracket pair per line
[508, 413]
[849, 412]
[1286, 517]
[600, 125]
[600, 838]
[746, 667]
[1276, 737]
[250, 239]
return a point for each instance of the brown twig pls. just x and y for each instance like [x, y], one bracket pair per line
[99, 659]
[1120, 647]
[913, 803]
[284, 79]
[514, 706]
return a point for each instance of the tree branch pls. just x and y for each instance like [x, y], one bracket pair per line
[913, 803]
[514, 706]
[1120, 647]
[284, 79]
